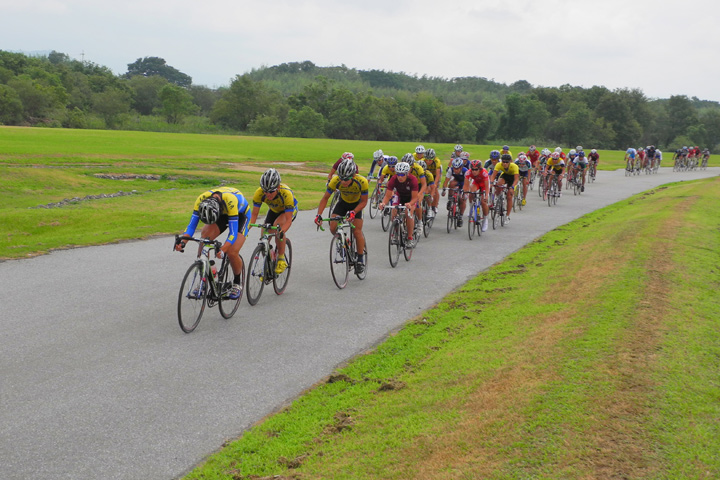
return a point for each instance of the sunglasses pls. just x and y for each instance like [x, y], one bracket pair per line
[475, 169]
[401, 174]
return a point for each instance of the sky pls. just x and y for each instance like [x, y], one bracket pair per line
[661, 48]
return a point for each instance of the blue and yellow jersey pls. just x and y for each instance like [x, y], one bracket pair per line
[557, 165]
[429, 177]
[417, 171]
[433, 165]
[284, 201]
[233, 205]
[350, 194]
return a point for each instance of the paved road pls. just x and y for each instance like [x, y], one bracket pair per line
[98, 381]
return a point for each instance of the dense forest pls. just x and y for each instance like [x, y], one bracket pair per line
[304, 100]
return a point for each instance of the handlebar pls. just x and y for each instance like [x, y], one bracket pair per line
[337, 218]
[179, 239]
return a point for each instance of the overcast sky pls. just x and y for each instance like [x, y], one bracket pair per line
[662, 48]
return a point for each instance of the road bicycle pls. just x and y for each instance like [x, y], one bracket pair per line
[629, 167]
[398, 237]
[553, 190]
[203, 285]
[261, 269]
[533, 176]
[343, 255]
[577, 181]
[377, 195]
[475, 214]
[518, 197]
[592, 172]
[453, 208]
[498, 212]
[427, 218]
[704, 164]
[541, 185]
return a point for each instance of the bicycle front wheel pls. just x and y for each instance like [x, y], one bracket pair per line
[385, 220]
[394, 244]
[192, 298]
[374, 201]
[228, 306]
[256, 275]
[339, 261]
[472, 219]
[280, 281]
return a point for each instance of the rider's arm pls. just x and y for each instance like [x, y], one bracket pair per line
[254, 214]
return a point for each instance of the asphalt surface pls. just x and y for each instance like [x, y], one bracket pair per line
[98, 381]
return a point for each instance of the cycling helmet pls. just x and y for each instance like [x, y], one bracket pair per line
[495, 155]
[593, 151]
[392, 161]
[579, 148]
[465, 155]
[532, 148]
[420, 150]
[270, 180]
[458, 148]
[348, 155]
[546, 151]
[402, 167]
[457, 162]
[475, 164]
[506, 148]
[506, 157]
[555, 155]
[209, 210]
[346, 170]
[377, 155]
[408, 158]
[430, 153]
[558, 149]
[422, 164]
[572, 152]
[522, 156]
[581, 154]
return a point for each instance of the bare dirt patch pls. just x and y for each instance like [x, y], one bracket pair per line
[295, 168]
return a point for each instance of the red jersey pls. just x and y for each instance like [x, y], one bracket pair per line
[480, 179]
[533, 156]
[404, 189]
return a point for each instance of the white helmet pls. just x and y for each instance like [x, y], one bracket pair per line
[579, 148]
[558, 149]
[430, 153]
[458, 148]
[402, 167]
[377, 155]
[408, 158]
[346, 170]
[593, 151]
[546, 151]
[420, 149]
[457, 162]
[572, 152]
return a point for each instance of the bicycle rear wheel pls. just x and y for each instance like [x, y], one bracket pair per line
[394, 244]
[450, 218]
[257, 274]
[192, 298]
[385, 220]
[280, 281]
[407, 252]
[228, 306]
[374, 201]
[339, 261]
[495, 215]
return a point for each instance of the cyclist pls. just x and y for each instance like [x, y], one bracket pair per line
[378, 161]
[419, 173]
[555, 166]
[581, 164]
[570, 162]
[404, 188]
[220, 209]
[506, 173]
[476, 180]
[389, 169]
[457, 153]
[705, 157]
[544, 155]
[658, 157]
[641, 156]
[533, 154]
[492, 161]
[506, 151]
[431, 187]
[594, 159]
[281, 212]
[434, 167]
[524, 165]
[455, 177]
[630, 154]
[419, 153]
[353, 198]
[561, 153]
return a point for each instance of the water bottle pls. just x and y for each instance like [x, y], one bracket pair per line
[213, 269]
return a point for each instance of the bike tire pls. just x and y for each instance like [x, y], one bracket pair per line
[257, 273]
[450, 220]
[385, 220]
[228, 306]
[339, 261]
[394, 244]
[374, 201]
[192, 298]
[472, 217]
[280, 281]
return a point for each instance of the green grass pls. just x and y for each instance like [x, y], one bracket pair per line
[604, 367]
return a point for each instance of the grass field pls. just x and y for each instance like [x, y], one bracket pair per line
[43, 166]
[591, 353]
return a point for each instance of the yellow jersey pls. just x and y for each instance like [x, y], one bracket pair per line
[512, 169]
[349, 194]
[284, 201]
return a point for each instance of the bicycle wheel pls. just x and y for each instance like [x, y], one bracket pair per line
[280, 281]
[394, 244]
[339, 261]
[576, 185]
[541, 188]
[362, 275]
[374, 201]
[515, 197]
[228, 306]
[257, 274]
[472, 220]
[192, 298]
[556, 191]
[519, 199]
[503, 212]
[385, 220]
[495, 214]
[450, 218]
[407, 252]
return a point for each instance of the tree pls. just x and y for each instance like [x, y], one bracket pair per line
[176, 103]
[305, 123]
[146, 93]
[11, 107]
[110, 104]
[150, 66]
[242, 102]
[682, 114]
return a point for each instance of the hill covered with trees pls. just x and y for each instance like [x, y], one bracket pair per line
[301, 99]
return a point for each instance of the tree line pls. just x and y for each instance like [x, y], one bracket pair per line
[301, 99]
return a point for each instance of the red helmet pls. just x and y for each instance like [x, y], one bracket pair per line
[475, 163]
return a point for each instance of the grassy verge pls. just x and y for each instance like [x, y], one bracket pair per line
[591, 353]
